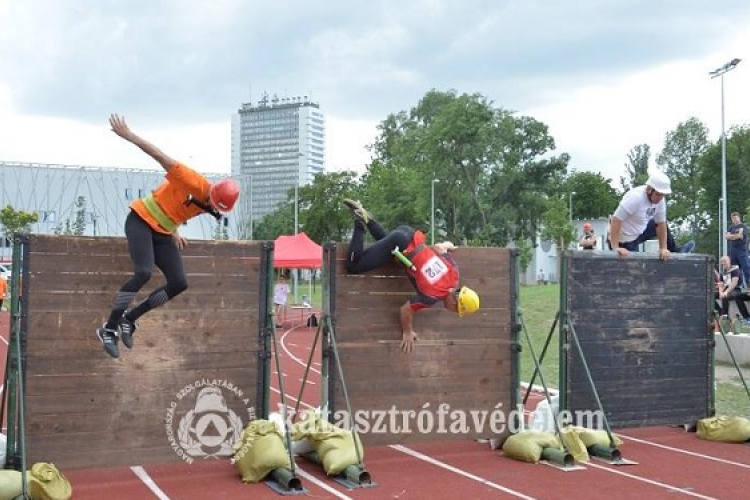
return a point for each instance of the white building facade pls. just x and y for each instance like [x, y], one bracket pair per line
[59, 193]
[277, 144]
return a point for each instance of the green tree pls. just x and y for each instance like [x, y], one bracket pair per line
[16, 221]
[78, 227]
[593, 196]
[683, 148]
[321, 214]
[636, 169]
[525, 255]
[492, 181]
[557, 226]
[738, 186]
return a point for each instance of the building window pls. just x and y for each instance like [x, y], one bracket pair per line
[128, 193]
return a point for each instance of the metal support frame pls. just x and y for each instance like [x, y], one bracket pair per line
[354, 476]
[14, 394]
[282, 480]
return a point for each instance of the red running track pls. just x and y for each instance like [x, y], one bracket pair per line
[671, 465]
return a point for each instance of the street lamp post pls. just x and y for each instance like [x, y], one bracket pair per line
[721, 72]
[251, 207]
[432, 213]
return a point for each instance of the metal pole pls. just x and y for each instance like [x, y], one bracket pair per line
[723, 174]
[570, 201]
[721, 235]
[432, 214]
[252, 213]
[296, 217]
[721, 72]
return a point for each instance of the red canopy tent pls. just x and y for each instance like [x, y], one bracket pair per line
[297, 252]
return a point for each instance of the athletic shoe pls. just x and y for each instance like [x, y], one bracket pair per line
[358, 210]
[108, 338]
[687, 247]
[127, 329]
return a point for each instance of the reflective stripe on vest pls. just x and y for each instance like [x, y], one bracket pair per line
[158, 214]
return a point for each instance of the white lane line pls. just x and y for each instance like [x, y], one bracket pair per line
[321, 484]
[686, 452]
[668, 487]
[295, 358]
[292, 398]
[486, 482]
[143, 476]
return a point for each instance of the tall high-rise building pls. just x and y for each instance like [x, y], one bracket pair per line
[277, 144]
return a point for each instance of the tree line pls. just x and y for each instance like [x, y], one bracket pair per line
[497, 179]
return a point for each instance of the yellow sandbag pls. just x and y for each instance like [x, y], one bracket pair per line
[571, 438]
[724, 429]
[46, 482]
[591, 437]
[335, 447]
[260, 450]
[527, 446]
[11, 484]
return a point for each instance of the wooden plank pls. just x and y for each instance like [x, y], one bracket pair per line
[85, 409]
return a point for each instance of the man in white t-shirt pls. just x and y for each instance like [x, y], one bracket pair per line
[642, 216]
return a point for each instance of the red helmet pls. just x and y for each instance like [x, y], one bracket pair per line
[587, 226]
[224, 194]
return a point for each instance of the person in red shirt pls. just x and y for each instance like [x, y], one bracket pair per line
[3, 290]
[153, 240]
[433, 272]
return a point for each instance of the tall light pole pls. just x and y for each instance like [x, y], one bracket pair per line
[432, 213]
[250, 176]
[721, 72]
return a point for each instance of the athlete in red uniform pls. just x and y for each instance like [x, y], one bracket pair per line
[434, 273]
[151, 230]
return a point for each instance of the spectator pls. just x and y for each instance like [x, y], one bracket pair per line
[737, 235]
[3, 290]
[280, 296]
[540, 279]
[642, 216]
[731, 287]
[588, 241]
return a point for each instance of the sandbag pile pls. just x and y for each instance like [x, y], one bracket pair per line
[724, 429]
[260, 450]
[527, 446]
[335, 447]
[44, 482]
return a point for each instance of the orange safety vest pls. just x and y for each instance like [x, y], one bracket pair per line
[165, 209]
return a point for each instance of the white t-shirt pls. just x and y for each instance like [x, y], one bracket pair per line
[635, 210]
[280, 293]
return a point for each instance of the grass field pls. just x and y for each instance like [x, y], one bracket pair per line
[540, 304]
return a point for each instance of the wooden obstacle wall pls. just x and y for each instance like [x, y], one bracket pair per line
[85, 409]
[645, 329]
[467, 363]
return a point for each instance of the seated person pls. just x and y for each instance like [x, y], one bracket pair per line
[731, 287]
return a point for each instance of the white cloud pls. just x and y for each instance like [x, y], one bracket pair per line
[605, 76]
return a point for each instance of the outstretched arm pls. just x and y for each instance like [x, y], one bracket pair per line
[409, 336]
[444, 247]
[120, 127]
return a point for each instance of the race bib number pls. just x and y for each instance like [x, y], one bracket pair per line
[433, 270]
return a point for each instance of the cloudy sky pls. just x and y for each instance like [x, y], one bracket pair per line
[605, 75]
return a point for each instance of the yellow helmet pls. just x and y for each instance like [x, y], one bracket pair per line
[468, 301]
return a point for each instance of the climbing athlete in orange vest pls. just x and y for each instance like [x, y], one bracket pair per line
[151, 230]
[431, 269]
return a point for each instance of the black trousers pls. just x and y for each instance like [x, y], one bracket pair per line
[378, 254]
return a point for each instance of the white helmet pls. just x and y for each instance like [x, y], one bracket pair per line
[660, 182]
